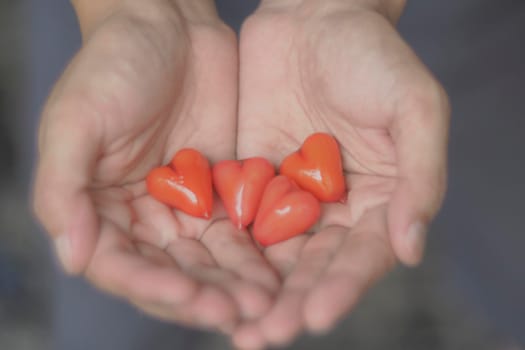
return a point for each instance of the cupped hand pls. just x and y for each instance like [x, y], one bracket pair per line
[151, 78]
[341, 67]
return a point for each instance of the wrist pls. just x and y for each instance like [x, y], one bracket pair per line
[91, 13]
[391, 9]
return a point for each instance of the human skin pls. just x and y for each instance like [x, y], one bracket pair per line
[152, 77]
[340, 67]
[157, 76]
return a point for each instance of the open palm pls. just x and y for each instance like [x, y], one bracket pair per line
[347, 73]
[115, 114]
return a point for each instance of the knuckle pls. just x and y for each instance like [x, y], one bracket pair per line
[428, 100]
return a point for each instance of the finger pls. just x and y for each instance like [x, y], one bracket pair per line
[112, 205]
[235, 251]
[251, 299]
[363, 257]
[420, 134]
[167, 312]
[119, 268]
[195, 259]
[248, 336]
[198, 312]
[284, 255]
[214, 309]
[155, 222]
[366, 192]
[155, 255]
[69, 146]
[285, 320]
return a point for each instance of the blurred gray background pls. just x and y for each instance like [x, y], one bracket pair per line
[469, 292]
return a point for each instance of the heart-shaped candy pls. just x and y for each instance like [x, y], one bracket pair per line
[241, 184]
[285, 211]
[317, 168]
[184, 184]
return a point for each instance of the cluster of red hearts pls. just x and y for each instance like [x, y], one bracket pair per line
[279, 206]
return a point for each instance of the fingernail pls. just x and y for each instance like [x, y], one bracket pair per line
[63, 250]
[415, 240]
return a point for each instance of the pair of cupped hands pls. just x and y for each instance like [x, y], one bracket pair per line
[156, 76]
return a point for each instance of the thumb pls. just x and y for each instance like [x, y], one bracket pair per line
[69, 145]
[420, 134]
[108, 86]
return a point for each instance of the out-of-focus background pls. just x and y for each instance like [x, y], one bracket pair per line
[25, 282]
[469, 292]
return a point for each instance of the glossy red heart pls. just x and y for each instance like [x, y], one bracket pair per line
[285, 211]
[241, 184]
[184, 184]
[317, 168]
